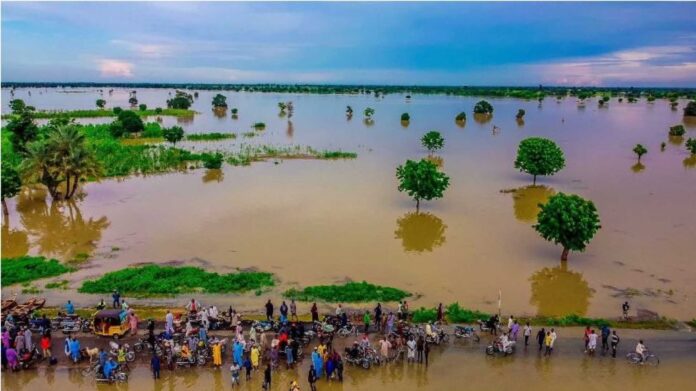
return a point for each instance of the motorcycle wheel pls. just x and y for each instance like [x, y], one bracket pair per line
[366, 364]
[476, 338]
[490, 350]
[122, 376]
[130, 356]
[138, 347]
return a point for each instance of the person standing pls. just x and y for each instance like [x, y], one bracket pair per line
[339, 367]
[440, 314]
[293, 310]
[267, 377]
[366, 321]
[419, 349]
[548, 343]
[155, 366]
[605, 338]
[116, 297]
[378, 316]
[553, 338]
[288, 355]
[592, 343]
[28, 342]
[315, 313]
[625, 307]
[586, 337]
[217, 355]
[69, 308]
[133, 320]
[411, 349]
[312, 378]
[247, 367]
[234, 373]
[46, 345]
[255, 354]
[283, 312]
[541, 335]
[269, 310]
[614, 342]
[514, 330]
[426, 351]
[527, 331]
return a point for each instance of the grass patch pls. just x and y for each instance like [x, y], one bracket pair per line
[210, 136]
[337, 155]
[424, 315]
[31, 290]
[154, 280]
[60, 284]
[28, 268]
[457, 314]
[249, 134]
[259, 126]
[100, 113]
[351, 292]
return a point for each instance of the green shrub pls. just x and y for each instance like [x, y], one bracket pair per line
[212, 160]
[424, 315]
[351, 292]
[117, 110]
[456, 314]
[461, 117]
[677, 130]
[142, 107]
[405, 117]
[28, 268]
[210, 136]
[155, 280]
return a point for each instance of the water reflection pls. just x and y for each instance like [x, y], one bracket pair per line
[482, 118]
[689, 162]
[59, 229]
[436, 160]
[676, 140]
[420, 231]
[638, 167]
[526, 200]
[368, 122]
[558, 291]
[404, 124]
[213, 175]
[520, 122]
[15, 243]
[290, 131]
[184, 120]
[220, 113]
[461, 124]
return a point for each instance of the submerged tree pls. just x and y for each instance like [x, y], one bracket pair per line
[432, 141]
[405, 117]
[181, 100]
[520, 114]
[173, 134]
[63, 158]
[483, 107]
[539, 156]
[369, 112]
[690, 109]
[11, 184]
[568, 220]
[421, 180]
[220, 101]
[101, 103]
[133, 101]
[349, 112]
[21, 126]
[461, 117]
[639, 150]
[691, 145]
[677, 130]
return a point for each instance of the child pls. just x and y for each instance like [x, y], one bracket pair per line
[235, 373]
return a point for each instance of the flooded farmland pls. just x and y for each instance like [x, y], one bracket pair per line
[321, 222]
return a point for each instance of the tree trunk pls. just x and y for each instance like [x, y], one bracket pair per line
[534, 182]
[67, 187]
[417, 204]
[564, 254]
[5, 211]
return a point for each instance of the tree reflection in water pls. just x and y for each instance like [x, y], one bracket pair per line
[290, 131]
[213, 175]
[58, 230]
[638, 167]
[420, 231]
[526, 201]
[558, 291]
[15, 242]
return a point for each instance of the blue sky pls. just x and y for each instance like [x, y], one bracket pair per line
[613, 44]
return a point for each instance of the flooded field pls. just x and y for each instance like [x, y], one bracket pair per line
[320, 222]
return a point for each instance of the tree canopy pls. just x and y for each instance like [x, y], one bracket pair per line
[461, 117]
[640, 150]
[421, 180]
[483, 107]
[220, 101]
[127, 122]
[520, 114]
[181, 100]
[405, 117]
[100, 103]
[11, 184]
[21, 126]
[432, 141]
[369, 112]
[568, 220]
[691, 145]
[173, 134]
[539, 156]
[690, 109]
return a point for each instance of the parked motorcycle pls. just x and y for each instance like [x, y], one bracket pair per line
[496, 348]
[466, 332]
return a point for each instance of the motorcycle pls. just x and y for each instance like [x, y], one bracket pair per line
[466, 332]
[348, 330]
[497, 348]
[484, 327]
[438, 336]
[30, 357]
[265, 326]
[118, 375]
[114, 348]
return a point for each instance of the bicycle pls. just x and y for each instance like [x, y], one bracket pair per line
[647, 359]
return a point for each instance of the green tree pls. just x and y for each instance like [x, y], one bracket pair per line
[220, 101]
[11, 185]
[690, 109]
[63, 157]
[640, 150]
[349, 111]
[117, 110]
[133, 101]
[21, 126]
[405, 117]
[677, 130]
[282, 106]
[432, 141]
[483, 107]
[101, 103]
[568, 220]
[539, 156]
[691, 145]
[369, 112]
[181, 100]
[158, 110]
[142, 107]
[131, 121]
[173, 134]
[421, 180]
[212, 160]
[461, 117]
[520, 114]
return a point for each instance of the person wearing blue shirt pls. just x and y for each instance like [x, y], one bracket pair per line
[103, 357]
[70, 308]
[109, 368]
[75, 349]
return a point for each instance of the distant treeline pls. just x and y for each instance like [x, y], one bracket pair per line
[536, 92]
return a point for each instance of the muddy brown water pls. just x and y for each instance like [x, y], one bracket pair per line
[321, 222]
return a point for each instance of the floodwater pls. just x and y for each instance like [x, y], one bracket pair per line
[450, 367]
[321, 222]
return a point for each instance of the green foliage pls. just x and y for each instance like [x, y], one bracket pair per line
[173, 134]
[432, 141]
[220, 101]
[21, 126]
[117, 110]
[483, 107]
[424, 315]
[100, 103]
[569, 220]
[259, 126]
[142, 107]
[461, 117]
[61, 284]
[211, 136]
[181, 100]
[349, 111]
[456, 314]
[690, 145]
[28, 268]
[369, 112]
[690, 109]
[677, 130]
[337, 155]
[234, 112]
[131, 122]
[212, 160]
[520, 114]
[405, 117]
[539, 156]
[158, 110]
[133, 101]
[571, 320]
[17, 106]
[155, 280]
[640, 150]
[421, 180]
[152, 130]
[11, 181]
[350, 292]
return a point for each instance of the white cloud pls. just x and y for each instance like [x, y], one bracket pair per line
[115, 68]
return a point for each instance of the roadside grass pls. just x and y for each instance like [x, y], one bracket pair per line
[30, 268]
[350, 292]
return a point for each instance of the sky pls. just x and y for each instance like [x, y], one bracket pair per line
[602, 44]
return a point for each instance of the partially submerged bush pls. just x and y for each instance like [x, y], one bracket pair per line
[351, 292]
[28, 268]
[677, 130]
